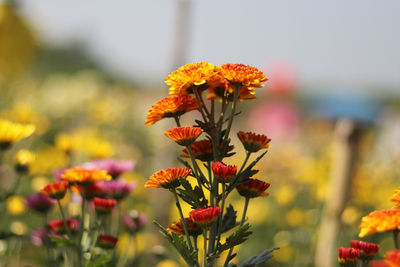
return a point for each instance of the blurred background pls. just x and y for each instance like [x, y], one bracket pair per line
[86, 73]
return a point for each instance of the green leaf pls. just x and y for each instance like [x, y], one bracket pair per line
[236, 238]
[62, 241]
[229, 220]
[101, 261]
[194, 197]
[259, 259]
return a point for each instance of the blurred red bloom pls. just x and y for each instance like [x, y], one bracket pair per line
[253, 188]
[56, 190]
[107, 241]
[104, 205]
[58, 226]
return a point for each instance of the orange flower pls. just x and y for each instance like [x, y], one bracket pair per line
[253, 142]
[167, 178]
[245, 93]
[367, 249]
[223, 173]
[85, 177]
[184, 136]
[396, 199]
[202, 150]
[56, 190]
[196, 75]
[380, 221]
[392, 258]
[104, 205]
[253, 188]
[91, 191]
[205, 216]
[243, 74]
[177, 227]
[169, 107]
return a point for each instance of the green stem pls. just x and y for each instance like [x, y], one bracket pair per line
[196, 168]
[178, 205]
[234, 104]
[64, 220]
[395, 238]
[222, 214]
[205, 247]
[246, 204]
[178, 123]
[245, 161]
[82, 224]
[197, 96]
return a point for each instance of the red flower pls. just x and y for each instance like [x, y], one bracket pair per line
[56, 190]
[202, 150]
[253, 188]
[253, 142]
[177, 227]
[348, 256]
[369, 249]
[104, 205]
[205, 216]
[107, 241]
[167, 178]
[223, 173]
[58, 226]
[91, 191]
[184, 136]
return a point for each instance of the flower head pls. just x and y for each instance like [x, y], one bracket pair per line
[107, 241]
[134, 221]
[348, 256]
[253, 188]
[169, 107]
[184, 136]
[39, 202]
[253, 142]
[56, 190]
[223, 173]
[177, 227]
[11, 132]
[243, 75]
[58, 226]
[91, 191]
[82, 176]
[104, 205]
[396, 199]
[113, 167]
[38, 236]
[196, 75]
[116, 189]
[202, 150]
[380, 221]
[205, 216]
[167, 178]
[367, 250]
[23, 160]
[392, 258]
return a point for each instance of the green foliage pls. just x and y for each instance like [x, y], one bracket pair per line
[259, 259]
[100, 261]
[236, 238]
[229, 220]
[193, 197]
[62, 241]
[190, 256]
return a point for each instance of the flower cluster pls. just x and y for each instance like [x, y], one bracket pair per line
[206, 191]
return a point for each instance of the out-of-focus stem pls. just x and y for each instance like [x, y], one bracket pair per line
[63, 219]
[178, 205]
[222, 213]
[395, 238]
[178, 123]
[205, 247]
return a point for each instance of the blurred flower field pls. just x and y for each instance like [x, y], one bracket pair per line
[77, 113]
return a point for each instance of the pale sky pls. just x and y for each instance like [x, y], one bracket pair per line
[340, 42]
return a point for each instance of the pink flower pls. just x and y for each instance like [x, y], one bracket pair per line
[113, 167]
[117, 189]
[134, 221]
[39, 202]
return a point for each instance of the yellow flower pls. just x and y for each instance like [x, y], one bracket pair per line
[396, 199]
[85, 177]
[380, 221]
[15, 205]
[167, 178]
[24, 157]
[67, 142]
[244, 75]
[11, 132]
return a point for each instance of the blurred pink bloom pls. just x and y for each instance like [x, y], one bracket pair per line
[113, 167]
[134, 221]
[38, 235]
[39, 202]
[117, 189]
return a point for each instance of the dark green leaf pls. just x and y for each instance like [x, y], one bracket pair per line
[236, 238]
[229, 220]
[62, 241]
[193, 197]
[259, 259]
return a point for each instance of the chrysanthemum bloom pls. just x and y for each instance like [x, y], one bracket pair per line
[58, 226]
[134, 221]
[253, 142]
[170, 107]
[107, 241]
[223, 173]
[56, 190]
[245, 93]
[367, 250]
[104, 205]
[84, 177]
[253, 188]
[117, 189]
[348, 256]
[380, 221]
[11, 132]
[396, 199]
[113, 167]
[91, 191]
[39, 202]
[202, 150]
[177, 227]
[167, 178]
[392, 259]
[184, 136]
[205, 216]
[242, 75]
[191, 76]
[23, 159]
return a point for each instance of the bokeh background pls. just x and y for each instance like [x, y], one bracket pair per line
[85, 73]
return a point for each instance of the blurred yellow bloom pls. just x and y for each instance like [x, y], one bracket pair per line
[15, 205]
[17, 43]
[99, 148]
[67, 142]
[284, 195]
[18, 228]
[11, 132]
[284, 254]
[295, 217]
[168, 263]
[47, 160]
[39, 182]
[124, 246]
[351, 215]
[24, 157]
